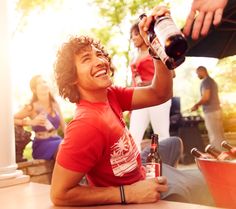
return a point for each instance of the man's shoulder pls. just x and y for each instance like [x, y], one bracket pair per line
[207, 81]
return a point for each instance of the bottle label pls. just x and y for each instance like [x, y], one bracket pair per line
[165, 28]
[138, 79]
[158, 49]
[152, 170]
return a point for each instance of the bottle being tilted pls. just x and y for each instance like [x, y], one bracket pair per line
[170, 37]
[154, 162]
[175, 43]
[230, 148]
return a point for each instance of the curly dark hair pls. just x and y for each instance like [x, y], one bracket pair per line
[65, 69]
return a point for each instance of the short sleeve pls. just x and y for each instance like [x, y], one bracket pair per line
[82, 147]
[122, 95]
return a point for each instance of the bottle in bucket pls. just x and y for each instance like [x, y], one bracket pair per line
[154, 162]
[198, 154]
[230, 148]
[217, 154]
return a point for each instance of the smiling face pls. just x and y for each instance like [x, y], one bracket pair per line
[93, 72]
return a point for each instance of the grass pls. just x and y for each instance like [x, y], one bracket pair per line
[27, 154]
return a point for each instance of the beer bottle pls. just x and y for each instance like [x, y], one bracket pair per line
[230, 148]
[170, 37]
[217, 154]
[198, 154]
[212, 151]
[137, 78]
[157, 51]
[154, 162]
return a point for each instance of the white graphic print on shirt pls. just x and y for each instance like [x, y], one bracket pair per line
[124, 155]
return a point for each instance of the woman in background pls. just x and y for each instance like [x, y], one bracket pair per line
[142, 73]
[43, 114]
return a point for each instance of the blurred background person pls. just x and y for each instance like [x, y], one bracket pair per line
[43, 114]
[142, 68]
[210, 103]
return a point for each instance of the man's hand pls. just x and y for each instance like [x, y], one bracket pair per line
[146, 191]
[144, 24]
[194, 108]
[203, 13]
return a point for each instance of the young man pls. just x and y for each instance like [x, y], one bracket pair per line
[97, 143]
[210, 103]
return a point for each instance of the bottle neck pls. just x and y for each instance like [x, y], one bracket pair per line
[196, 153]
[214, 152]
[227, 146]
[154, 147]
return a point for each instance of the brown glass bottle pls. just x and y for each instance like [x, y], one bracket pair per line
[212, 151]
[170, 37]
[198, 154]
[157, 50]
[154, 162]
[230, 148]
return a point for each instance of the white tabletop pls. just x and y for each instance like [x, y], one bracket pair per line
[36, 196]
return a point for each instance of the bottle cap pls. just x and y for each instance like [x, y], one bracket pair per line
[208, 147]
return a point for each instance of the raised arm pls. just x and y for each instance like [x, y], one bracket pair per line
[160, 89]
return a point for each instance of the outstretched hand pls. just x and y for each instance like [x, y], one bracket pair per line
[203, 13]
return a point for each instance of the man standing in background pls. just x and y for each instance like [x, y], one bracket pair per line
[211, 107]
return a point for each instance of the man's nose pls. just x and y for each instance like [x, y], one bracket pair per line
[100, 60]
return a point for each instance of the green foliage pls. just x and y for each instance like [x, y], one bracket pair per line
[116, 14]
[116, 11]
[26, 6]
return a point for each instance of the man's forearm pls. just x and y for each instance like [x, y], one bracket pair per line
[85, 196]
[163, 80]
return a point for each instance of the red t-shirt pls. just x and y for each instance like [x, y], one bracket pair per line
[144, 67]
[98, 143]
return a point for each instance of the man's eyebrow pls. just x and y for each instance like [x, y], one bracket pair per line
[84, 55]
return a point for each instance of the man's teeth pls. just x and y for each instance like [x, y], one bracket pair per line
[99, 73]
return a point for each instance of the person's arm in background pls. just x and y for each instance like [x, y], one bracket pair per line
[23, 118]
[204, 99]
[203, 13]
